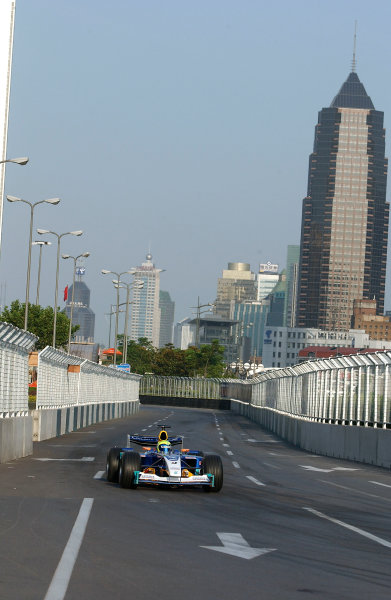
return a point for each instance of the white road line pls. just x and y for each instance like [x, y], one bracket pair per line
[374, 538]
[229, 452]
[61, 577]
[378, 483]
[344, 487]
[143, 430]
[236, 464]
[99, 475]
[227, 445]
[272, 466]
[84, 459]
[254, 480]
[250, 440]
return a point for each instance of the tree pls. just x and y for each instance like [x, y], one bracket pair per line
[40, 323]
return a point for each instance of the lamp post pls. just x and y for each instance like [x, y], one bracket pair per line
[18, 161]
[40, 244]
[59, 236]
[32, 206]
[138, 285]
[75, 259]
[105, 272]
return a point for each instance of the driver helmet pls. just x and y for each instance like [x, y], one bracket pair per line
[164, 447]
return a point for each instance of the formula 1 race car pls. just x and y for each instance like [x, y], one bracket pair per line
[161, 464]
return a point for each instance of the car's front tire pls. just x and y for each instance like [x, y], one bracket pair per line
[213, 465]
[130, 463]
[112, 465]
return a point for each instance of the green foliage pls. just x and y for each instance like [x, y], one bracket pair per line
[206, 361]
[40, 322]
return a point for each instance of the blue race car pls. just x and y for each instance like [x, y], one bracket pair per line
[161, 463]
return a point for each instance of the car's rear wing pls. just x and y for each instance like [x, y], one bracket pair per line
[146, 440]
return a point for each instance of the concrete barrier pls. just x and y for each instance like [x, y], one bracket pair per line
[361, 444]
[213, 403]
[16, 438]
[52, 422]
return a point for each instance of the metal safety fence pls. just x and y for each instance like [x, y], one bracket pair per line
[65, 380]
[347, 390]
[15, 345]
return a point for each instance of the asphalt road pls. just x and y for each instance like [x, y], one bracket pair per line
[287, 524]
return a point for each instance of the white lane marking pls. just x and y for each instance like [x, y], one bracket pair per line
[235, 545]
[32, 476]
[272, 466]
[84, 459]
[229, 452]
[89, 432]
[370, 536]
[227, 445]
[236, 464]
[153, 500]
[72, 446]
[254, 480]
[378, 483]
[344, 487]
[311, 468]
[99, 475]
[61, 577]
[143, 430]
[251, 440]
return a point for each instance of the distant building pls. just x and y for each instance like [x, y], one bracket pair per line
[236, 285]
[215, 327]
[275, 315]
[281, 345]
[318, 352]
[145, 315]
[82, 314]
[364, 317]
[184, 333]
[167, 310]
[250, 329]
[345, 215]
[267, 279]
[292, 280]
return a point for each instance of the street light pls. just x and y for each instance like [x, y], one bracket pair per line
[18, 161]
[75, 258]
[138, 285]
[40, 244]
[198, 307]
[53, 201]
[106, 272]
[59, 236]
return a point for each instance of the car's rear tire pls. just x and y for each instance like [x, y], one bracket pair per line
[130, 463]
[112, 465]
[212, 464]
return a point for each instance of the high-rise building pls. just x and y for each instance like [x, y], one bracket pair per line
[82, 314]
[292, 279]
[267, 279]
[145, 317]
[236, 285]
[345, 215]
[167, 310]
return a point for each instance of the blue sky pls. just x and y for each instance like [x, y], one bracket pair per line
[180, 126]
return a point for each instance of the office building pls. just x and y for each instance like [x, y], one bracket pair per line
[292, 280]
[167, 310]
[184, 333]
[82, 314]
[236, 285]
[344, 232]
[145, 315]
[267, 279]
[364, 317]
[251, 317]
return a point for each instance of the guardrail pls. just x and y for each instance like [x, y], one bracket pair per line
[348, 390]
[65, 380]
[15, 345]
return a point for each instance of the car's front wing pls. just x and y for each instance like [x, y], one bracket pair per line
[140, 477]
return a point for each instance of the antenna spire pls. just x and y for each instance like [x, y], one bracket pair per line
[354, 48]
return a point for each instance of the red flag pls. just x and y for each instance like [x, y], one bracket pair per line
[66, 293]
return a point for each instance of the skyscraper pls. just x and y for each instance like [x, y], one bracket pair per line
[145, 317]
[82, 314]
[344, 232]
[167, 310]
[236, 285]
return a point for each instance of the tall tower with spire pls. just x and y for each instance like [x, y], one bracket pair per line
[145, 315]
[344, 229]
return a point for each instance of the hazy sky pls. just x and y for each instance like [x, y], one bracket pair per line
[183, 126]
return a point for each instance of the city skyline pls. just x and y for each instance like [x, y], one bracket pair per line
[189, 133]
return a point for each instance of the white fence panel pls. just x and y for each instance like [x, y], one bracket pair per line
[15, 345]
